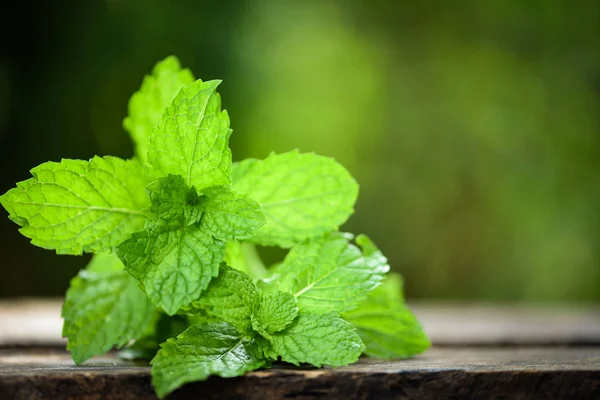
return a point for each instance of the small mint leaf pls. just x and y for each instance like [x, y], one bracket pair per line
[228, 215]
[174, 204]
[147, 104]
[202, 351]
[277, 311]
[231, 297]
[317, 339]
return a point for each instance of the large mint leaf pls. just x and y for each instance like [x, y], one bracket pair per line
[228, 215]
[201, 351]
[276, 312]
[301, 195]
[104, 308]
[79, 206]
[173, 266]
[147, 105]
[330, 274]
[386, 325]
[192, 138]
[232, 297]
[317, 339]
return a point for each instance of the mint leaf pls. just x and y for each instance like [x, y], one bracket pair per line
[105, 262]
[192, 138]
[277, 311]
[232, 297]
[174, 258]
[147, 104]
[244, 257]
[173, 203]
[173, 266]
[317, 339]
[387, 326]
[161, 328]
[330, 274]
[389, 294]
[301, 195]
[389, 333]
[78, 206]
[228, 215]
[103, 308]
[201, 351]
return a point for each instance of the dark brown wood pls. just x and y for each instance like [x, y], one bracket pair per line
[482, 352]
[37, 322]
[441, 373]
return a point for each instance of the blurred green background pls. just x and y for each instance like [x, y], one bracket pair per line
[472, 127]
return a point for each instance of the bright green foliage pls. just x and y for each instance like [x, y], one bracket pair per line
[103, 308]
[174, 266]
[192, 138]
[201, 351]
[231, 297]
[105, 262]
[277, 311]
[179, 252]
[330, 274]
[173, 204]
[317, 339]
[175, 230]
[80, 206]
[161, 328]
[389, 294]
[301, 195]
[244, 257]
[228, 215]
[387, 327]
[146, 106]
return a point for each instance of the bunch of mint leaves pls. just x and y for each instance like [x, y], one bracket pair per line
[176, 276]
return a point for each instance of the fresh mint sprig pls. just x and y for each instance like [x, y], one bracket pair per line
[174, 231]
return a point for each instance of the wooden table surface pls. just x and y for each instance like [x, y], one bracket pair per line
[480, 352]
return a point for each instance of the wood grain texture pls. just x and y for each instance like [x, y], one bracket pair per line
[37, 322]
[441, 373]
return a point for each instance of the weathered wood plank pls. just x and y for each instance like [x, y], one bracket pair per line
[441, 373]
[37, 322]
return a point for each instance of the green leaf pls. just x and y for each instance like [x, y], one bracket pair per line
[276, 312]
[173, 266]
[301, 195]
[232, 297]
[228, 215]
[174, 204]
[330, 274]
[174, 258]
[103, 308]
[387, 326]
[192, 138]
[244, 257]
[317, 339]
[163, 327]
[147, 105]
[105, 262]
[389, 294]
[78, 206]
[201, 351]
